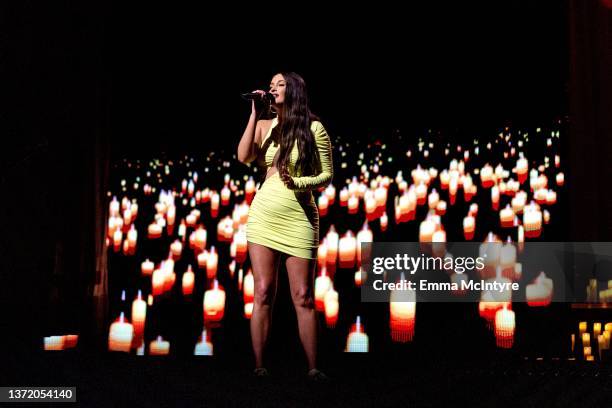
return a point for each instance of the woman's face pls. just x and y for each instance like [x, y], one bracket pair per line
[277, 88]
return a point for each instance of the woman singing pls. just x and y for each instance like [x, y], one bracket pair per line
[283, 218]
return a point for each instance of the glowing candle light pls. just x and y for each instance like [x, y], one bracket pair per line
[120, 335]
[586, 339]
[211, 263]
[426, 230]
[441, 207]
[522, 169]
[596, 329]
[214, 303]
[402, 306]
[469, 226]
[332, 245]
[532, 220]
[384, 222]
[54, 343]
[433, 199]
[204, 347]
[249, 190]
[188, 281]
[506, 217]
[486, 176]
[159, 347]
[358, 277]
[495, 197]
[154, 230]
[241, 244]
[322, 253]
[344, 197]
[225, 195]
[117, 238]
[560, 179]
[504, 328]
[363, 236]
[357, 341]
[322, 284]
[539, 293]
[323, 202]
[331, 307]
[353, 204]
[176, 249]
[139, 315]
[158, 281]
[202, 259]
[347, 250]
[421, 193]
[132, 238]
[214, 204]
[248, 288]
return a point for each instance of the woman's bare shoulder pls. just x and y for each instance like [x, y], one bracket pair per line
[263, 125]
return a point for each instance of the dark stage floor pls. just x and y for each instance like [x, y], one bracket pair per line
[409, 379]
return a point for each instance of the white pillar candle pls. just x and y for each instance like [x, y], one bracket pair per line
[120, 335]
[347, 250]
[211, 263]
[204, 347]
[357, 341]
[188, 281]
[214, 303]
[159, 347]
[504, 328]
[331, 307]
[322, 284]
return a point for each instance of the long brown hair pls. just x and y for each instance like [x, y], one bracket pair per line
[295, 127]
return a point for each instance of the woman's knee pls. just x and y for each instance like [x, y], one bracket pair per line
[264, 293]
[302, 297]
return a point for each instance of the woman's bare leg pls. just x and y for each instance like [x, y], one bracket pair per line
[264, 262]
[301, 281]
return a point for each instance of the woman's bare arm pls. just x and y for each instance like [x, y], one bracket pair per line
[247, 148]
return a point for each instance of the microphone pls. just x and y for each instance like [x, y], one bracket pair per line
[268, 97]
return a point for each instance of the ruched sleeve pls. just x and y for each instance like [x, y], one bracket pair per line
[324, 148]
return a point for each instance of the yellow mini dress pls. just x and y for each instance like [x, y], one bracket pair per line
[288, 219]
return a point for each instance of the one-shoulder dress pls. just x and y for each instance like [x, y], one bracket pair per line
[288, 219]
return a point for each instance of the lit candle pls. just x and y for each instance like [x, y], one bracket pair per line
[248, 288]
[139, 315]
[353, 204]
[54, 343]
[120, 335]
[332, 245]
[214, 303]
[158, 281]
[154, 230]
[176, 249]
[348, 250]
[188, 281]
[506, 217]
[539, 293]
[322, 284]
[159, 347]
[211, 263]
[596, 329]
[469, 226]
[504, 328]
[323, 202]
[402, 307]
[357, 341]
[586, 339]
[331, 307]
[225, 195]
[204, 347]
